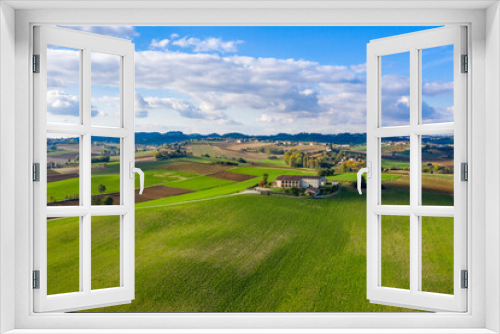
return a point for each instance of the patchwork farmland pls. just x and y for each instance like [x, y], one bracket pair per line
[204, 243]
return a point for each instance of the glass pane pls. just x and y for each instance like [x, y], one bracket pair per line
[63, 170]
[395, 89]
[63, 85]
[105, 183]
[63, 255]
[437, 84]
[437, 254]
[105, 252]
[437, 170]
[396, 251]
[395, 171]
[105, 89]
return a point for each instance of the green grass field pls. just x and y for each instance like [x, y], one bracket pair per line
[250, 253]
[283, 257]
[387, 163]
[352, 177]
[110, 177]
[273, 172]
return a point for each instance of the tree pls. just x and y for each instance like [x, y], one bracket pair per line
[95, 200]
[436, 168]
[108, 200]
[295, 191]
[101, 188]
[265, 178]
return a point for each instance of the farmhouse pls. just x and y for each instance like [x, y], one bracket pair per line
[300, 181]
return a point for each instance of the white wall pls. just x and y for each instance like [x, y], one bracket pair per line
[7, 160]
[256, 17]
[492, 164]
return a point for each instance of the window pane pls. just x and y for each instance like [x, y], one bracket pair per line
[437, 84]
[105, 185]
[63, 85]
[105, 252]
[105, 89]
[437, 170]
[395, 89]
[63, 255]
[437, 254]
[395, 251]
[63, 170]
[395, 171]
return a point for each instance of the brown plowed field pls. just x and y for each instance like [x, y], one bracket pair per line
[60, 177]
[195, 167]
[149, 194]
[152, 193]
[232, 176]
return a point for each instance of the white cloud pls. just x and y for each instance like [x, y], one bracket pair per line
[297, 94]
[437, 88]
[188, 110]
[174, 36]
[159, 44]
[105, 69]
[300, 89]
[61, 103]
[208, 44]
[141, 106]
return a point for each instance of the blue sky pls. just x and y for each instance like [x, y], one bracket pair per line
[255, 80]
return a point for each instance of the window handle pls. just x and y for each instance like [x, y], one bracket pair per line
[368, 171]
[139, 171]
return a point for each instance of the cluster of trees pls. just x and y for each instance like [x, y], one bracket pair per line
[53, 165]
[52, 199]
[296, 158]
[100, 200]
[102, 158]
[436, 169]
[227, 163]
[169, 154]
[349, 166]
[271, 150]
[446, 149]
[294, 191]
[265, 181]
[97, 200]
[326, 172]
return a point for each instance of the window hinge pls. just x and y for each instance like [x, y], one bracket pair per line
[464, 171]
[465, 279]
[465, 64]
[36, 279]
[36, 172]
[36, 63]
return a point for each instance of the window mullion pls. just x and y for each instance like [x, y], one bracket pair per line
[85, 155]
[414, 174]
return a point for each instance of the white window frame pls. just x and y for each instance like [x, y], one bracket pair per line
[413, 43]
[484, 308]
[86, 297]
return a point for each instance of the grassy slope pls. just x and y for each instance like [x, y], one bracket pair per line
[285, 256]
[227, 189]
[109, 176]
[352, 177]
[273, 172]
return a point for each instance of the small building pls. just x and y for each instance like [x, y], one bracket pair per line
[312, 191]
[300, 181]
